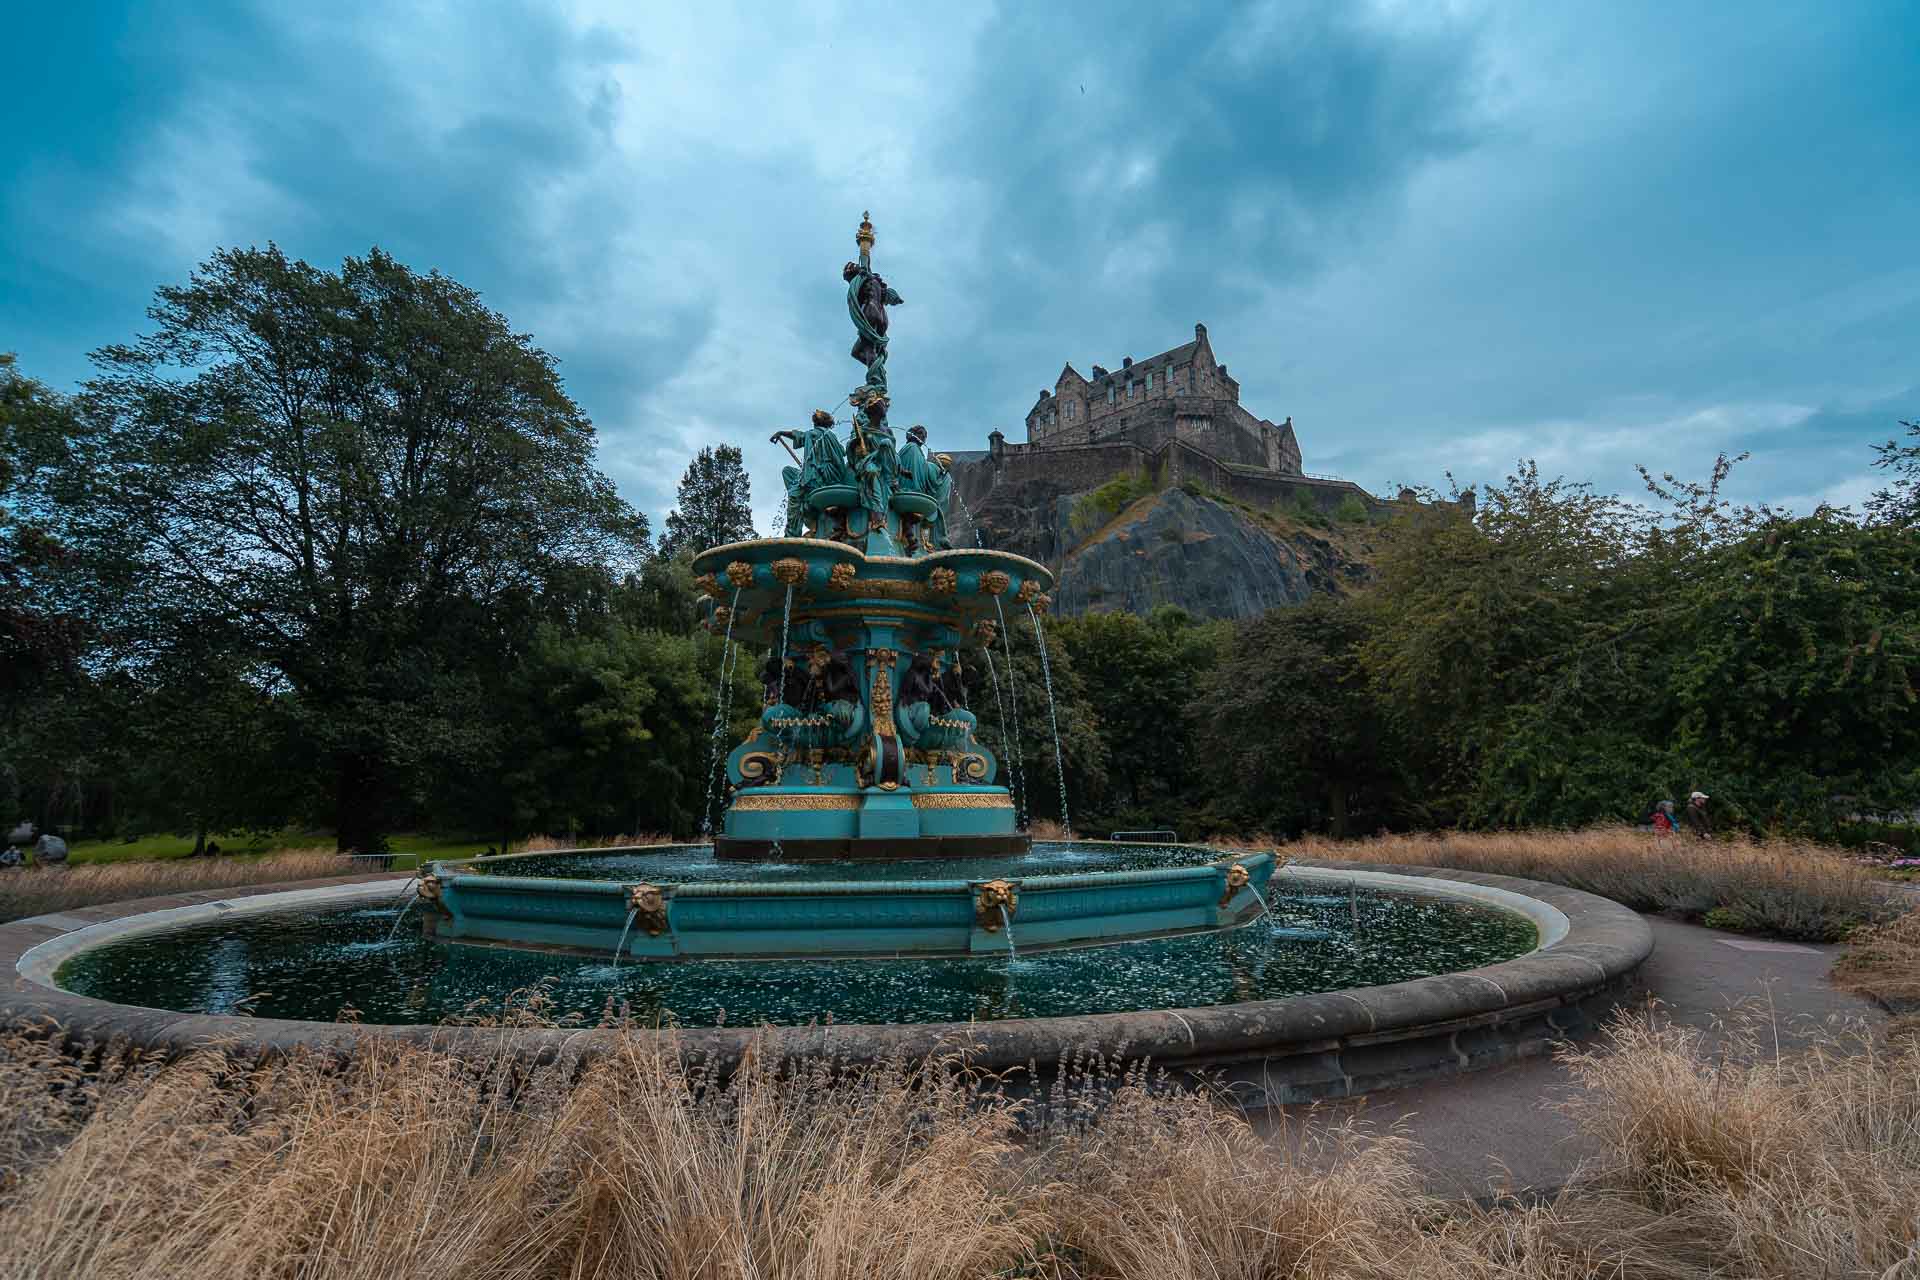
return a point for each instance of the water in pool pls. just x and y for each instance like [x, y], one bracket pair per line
[315, 964]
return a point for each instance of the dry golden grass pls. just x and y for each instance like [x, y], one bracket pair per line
[32, 891]
[407, 1163]
[1790, 888]
[550, 844]
[1884, 962]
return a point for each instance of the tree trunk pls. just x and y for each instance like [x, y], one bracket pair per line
[199, 840]
[358, 812]
[1337, 808]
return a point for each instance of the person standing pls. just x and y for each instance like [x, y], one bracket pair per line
[1697, 816]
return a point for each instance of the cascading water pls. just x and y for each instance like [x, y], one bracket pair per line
[1006, 923]
[720, 701]
[621, 947]
[780, 656]
[973, 526]
[1014, 775]
[404, 907]
[1053, 719]
[1000, 703]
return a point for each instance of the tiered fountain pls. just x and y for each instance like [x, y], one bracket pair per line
[864, 818]
[865, 749]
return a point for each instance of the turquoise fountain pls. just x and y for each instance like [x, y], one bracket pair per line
[865, 750]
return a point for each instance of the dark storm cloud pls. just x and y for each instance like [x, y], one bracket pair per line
[1438, 237]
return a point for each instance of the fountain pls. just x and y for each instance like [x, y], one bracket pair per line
[864, 750]
[869, 869]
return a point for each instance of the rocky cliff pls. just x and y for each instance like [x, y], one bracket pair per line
[1213, 557]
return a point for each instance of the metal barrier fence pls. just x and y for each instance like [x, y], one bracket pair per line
[1139, 837]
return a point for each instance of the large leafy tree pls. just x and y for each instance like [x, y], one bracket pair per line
[1899, 503]
[1297, 739]
[713, 506]
[1138, 676]
[356, 477]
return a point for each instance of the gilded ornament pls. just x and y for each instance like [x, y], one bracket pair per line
[759, 769]
[710, 586]
[986, 631]
[429, 889]
[1028, 590]
[943, 581]
[1236, 881]
[971, 770]
[761, 802]
[994, 904]
[740, 573]
[994, 582]
[1042, 603]
[961, 799]
[789, 571]
[648, 903]
[840, 577]
[721, 614]
[881, 698]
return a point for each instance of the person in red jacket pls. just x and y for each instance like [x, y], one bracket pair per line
[1663, 819]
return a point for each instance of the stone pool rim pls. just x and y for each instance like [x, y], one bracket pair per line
[1329, 1044]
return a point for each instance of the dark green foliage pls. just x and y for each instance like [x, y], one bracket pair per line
[1295, 739]
[1899, 503]
[358, 480]
[1104, 503]
[713, 506]
[1138, 676]
[1351, 510]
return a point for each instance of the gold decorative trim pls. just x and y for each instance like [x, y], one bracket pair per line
[994, 581]
[710, 586]
[943, 582]
[1236, 881]
[1028, 590]
[995, 905]
[648, 903]
[762, 802]
[789, 570]
[959, 800]
[759, 769]
[740, 573]
[840, 577]
[880, 690]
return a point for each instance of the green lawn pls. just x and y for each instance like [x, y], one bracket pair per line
[411, 849]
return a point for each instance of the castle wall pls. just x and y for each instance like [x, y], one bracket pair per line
[1173, 462]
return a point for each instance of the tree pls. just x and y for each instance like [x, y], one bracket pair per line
[713, 507]
[1139, 675]
[350, 475]
[1296, 738]
[1899, 502]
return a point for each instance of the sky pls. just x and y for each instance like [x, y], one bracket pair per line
[1442, 237]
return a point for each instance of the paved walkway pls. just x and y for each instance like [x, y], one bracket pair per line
[1470, 1126]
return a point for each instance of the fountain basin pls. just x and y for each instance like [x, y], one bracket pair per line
[859, 918]
[1348, 1038]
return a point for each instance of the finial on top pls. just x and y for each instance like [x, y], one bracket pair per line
[864, 236]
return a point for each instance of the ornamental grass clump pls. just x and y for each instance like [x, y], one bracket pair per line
[1786, 887]
[1719, 1154]
[32, 891]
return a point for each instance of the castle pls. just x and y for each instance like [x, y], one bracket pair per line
[1182, 394]
[1175, 417]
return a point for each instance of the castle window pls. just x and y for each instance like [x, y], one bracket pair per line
[1110, 393]
[1169, 382]
[1149, 384]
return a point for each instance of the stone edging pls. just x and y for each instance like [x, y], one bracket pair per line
[1300, 1047]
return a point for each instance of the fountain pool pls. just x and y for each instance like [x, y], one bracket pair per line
[316, 962]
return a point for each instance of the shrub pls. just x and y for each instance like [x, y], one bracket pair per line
[1351, 510]
[1104, 503]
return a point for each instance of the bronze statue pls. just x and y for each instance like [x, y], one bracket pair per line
[868, 297]
[822, 462]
